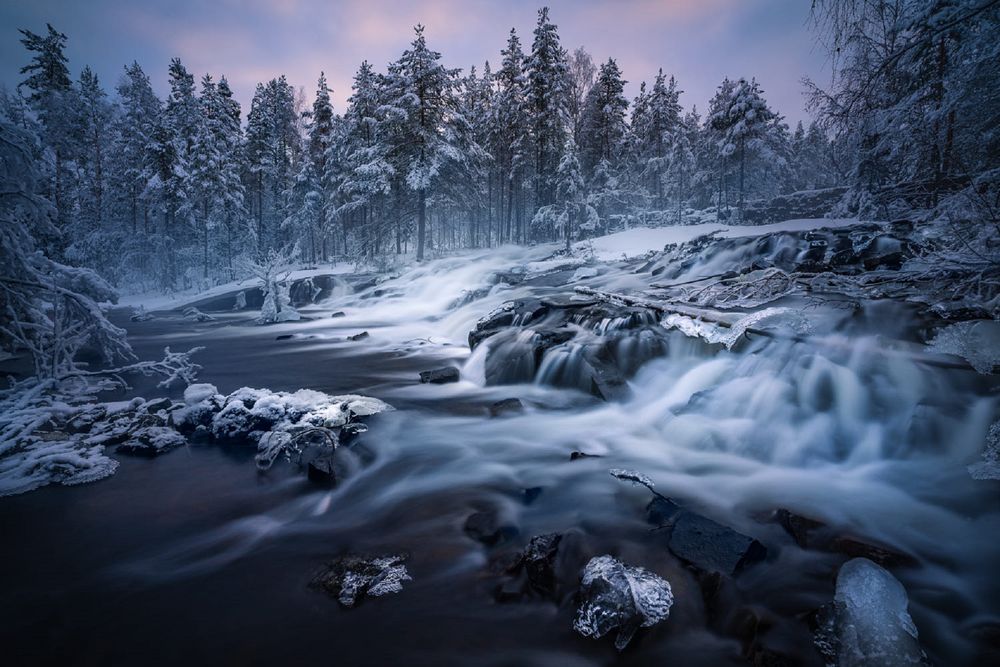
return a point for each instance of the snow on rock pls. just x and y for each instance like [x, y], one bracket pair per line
[618, 597]
[641, 240]
[989, 467]
[275, 421]
[196, 393]
[977, 342]
[868, 623]
[352, 577]
[59, 442]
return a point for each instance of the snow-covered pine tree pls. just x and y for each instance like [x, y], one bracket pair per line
[365, 175]
[570, 190]
[581, 73]
[272, 144]
[131, 158]
[312, 186]
[428, 134]
[604, 129]
[747, 129]
[52, 98]
[546, 97]
[509, 138]
[655, 122]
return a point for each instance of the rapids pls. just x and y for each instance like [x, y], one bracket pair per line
[196, 553]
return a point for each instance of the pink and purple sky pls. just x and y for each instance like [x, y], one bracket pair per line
[699, 41]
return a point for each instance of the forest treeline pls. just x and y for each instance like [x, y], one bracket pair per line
[540, 145]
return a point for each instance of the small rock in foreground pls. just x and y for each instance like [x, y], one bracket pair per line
[351, 578]
[618, 597]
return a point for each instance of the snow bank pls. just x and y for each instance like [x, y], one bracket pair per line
[640, 240]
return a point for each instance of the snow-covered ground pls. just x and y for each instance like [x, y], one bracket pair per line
[159, 301]
[640, 240]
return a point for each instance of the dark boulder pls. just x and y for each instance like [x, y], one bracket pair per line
[711, 546]
[506, 406]
[440, 375]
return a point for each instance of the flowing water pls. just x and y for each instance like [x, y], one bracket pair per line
[195, 556]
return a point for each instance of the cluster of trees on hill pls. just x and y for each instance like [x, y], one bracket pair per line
[545, 146]
[178, 192]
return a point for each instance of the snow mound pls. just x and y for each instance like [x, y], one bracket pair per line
[642, 240]
[616, 596]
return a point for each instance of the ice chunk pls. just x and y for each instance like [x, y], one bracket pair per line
[872, 624]
[618, 597]
[976, 342]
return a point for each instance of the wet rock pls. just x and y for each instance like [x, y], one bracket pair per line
[810, 533]
[616, 597]
[868, 622]
[531, 494]
[284, 337]
[321, 470]
[440, 375]
[802, 529]
[538, 560]
[339, 313]
[358, 336]
[506, 406]
[712, 546]
[660, 511]
[351, 578]
[583, 455]
[883, 555]
[485, 528]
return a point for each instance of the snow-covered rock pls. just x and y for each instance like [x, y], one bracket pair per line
[351, 578]
[618, 597]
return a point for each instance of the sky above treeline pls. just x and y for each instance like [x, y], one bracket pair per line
[699, 41]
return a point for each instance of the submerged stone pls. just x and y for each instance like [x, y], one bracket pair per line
[440, 375]
[506, 406]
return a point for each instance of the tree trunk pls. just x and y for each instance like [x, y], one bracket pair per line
[421, 223]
